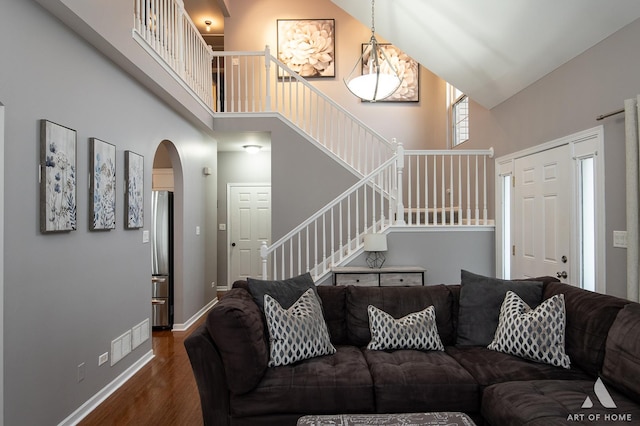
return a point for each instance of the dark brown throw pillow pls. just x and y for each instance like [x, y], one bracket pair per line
[480, 301]
[285, 292]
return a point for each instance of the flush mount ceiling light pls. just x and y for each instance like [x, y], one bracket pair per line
[208, 24]
[379, 77]
[252, 149]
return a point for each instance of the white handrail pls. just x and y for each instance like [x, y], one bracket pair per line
[335, 232]
[253, 82]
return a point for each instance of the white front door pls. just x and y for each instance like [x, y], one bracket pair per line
[249, 225]
[542, 232]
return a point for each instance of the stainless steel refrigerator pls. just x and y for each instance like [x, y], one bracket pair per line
[162, 259]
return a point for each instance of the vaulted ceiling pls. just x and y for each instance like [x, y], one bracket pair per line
[492, 49]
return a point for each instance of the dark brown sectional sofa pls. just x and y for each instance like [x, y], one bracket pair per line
[229, 355]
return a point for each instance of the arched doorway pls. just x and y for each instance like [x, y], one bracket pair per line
[167, 236]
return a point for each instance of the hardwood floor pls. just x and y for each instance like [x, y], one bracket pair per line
[164, 392]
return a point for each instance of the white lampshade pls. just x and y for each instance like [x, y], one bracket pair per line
[365, 86]
[375, 242]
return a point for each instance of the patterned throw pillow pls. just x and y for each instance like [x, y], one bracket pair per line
[414, 331]
[296, 333]
[535, 334]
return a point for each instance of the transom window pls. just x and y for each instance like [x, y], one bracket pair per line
[458, 104]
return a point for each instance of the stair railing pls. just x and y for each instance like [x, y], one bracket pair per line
[445, 187]
[256, 82]
[336, 232]
[414, 188]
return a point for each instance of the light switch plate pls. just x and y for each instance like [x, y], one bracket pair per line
[145, 236]
[620, 239]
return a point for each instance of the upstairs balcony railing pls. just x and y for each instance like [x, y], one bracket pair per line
[166, 29]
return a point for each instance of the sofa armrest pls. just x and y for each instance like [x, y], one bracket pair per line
[208, 370]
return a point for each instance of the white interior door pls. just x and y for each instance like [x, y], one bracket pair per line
[249, 224]
[542, 231]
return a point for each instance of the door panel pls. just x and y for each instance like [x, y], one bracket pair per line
[249, 225]
[542, 226]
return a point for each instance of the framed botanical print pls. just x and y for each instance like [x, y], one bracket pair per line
[408, 69]
[134, 185]
[102, 185]
[307, 46]
[58, 184]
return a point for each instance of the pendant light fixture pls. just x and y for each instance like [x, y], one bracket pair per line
[379, 78]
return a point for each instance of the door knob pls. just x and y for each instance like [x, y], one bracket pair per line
[233, 244]
[562, 274]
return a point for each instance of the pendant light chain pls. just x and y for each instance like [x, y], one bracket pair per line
[373, 22]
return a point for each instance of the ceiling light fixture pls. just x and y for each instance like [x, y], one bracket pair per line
[252, 149]
[208, 24]
[379, 77]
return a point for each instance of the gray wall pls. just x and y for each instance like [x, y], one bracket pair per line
[443, 253]
[66, 296]
[567, 101]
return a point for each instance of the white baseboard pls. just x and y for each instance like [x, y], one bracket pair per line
[105, 392]
[195, 317]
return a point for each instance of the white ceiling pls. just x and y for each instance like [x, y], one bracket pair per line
[492, 49]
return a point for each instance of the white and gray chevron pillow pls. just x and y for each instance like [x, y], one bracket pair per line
[417, 330]
[535, 334]
[296, 333]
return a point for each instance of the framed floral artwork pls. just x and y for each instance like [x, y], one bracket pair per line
[307, 46]
[102, 185]
[134, 185]
[58, 184]
[408, 69]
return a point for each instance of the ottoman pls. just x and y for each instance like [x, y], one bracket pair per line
[402, 419]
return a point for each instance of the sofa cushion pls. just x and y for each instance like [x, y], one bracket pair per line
[553, 402]
[337, 383]
[535, 334]
[286, 292]
[397, 302]
[621, 366]
[589, 317]
[489, 367]
[296, 333]
[418, 381]
[414, 331]
[236, 325]
[335, 314]
[480, 301]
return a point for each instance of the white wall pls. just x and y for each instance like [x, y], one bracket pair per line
[66, 296]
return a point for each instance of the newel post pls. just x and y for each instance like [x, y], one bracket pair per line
[267, 64]
[263, 255]
[399, 190]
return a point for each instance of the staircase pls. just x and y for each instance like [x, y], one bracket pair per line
[396, 188]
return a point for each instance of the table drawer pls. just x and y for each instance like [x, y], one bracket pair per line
[357, 279]
[400, 279]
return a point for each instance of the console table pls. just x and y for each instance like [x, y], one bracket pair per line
[387, 276]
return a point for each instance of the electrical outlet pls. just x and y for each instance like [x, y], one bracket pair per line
[103, 358]
[213, 284]
[81, 372]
